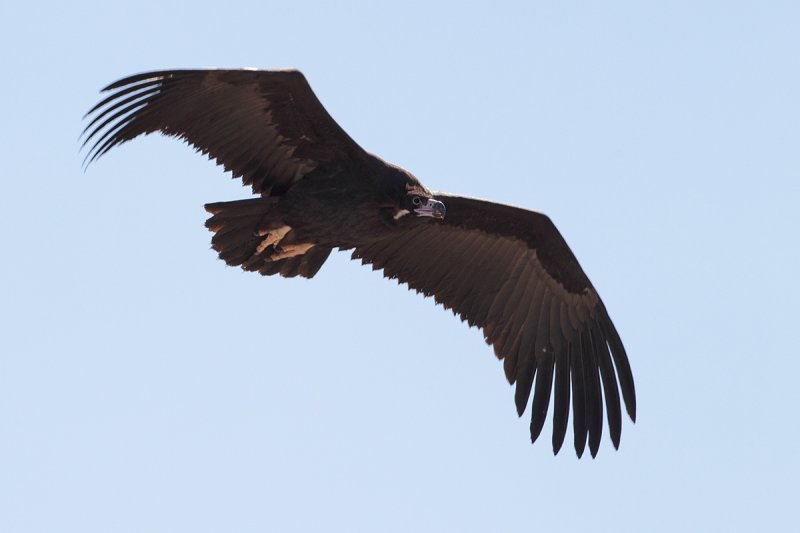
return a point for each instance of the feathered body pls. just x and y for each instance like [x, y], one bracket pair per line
[503, 269]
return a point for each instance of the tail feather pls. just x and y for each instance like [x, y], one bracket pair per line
[238, 231]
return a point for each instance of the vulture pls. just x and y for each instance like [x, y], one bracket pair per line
[504, 269]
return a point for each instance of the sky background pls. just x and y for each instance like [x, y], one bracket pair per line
[145, 386]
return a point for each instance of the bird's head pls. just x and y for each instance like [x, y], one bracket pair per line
[419, 202]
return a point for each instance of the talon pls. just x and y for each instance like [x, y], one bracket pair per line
[290, 250]
[274, 236]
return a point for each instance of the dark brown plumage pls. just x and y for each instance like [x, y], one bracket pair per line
[503, 269]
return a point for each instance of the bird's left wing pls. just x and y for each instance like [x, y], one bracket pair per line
[265, 126]
[509, 272]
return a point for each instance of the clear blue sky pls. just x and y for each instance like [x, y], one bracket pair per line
[145, 386]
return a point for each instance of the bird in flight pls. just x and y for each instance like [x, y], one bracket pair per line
[503, 269]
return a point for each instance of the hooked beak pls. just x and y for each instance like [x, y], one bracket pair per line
[433, 208]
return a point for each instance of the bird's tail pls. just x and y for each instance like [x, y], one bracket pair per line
[248, 233]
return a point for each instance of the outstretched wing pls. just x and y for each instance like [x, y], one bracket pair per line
[509, 272]
[266, 127]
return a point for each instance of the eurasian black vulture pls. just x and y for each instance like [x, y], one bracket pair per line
[504, 269]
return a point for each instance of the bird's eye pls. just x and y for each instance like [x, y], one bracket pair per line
[417, 200]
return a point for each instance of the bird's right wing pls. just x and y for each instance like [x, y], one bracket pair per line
[267, 127]
[509, 272]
